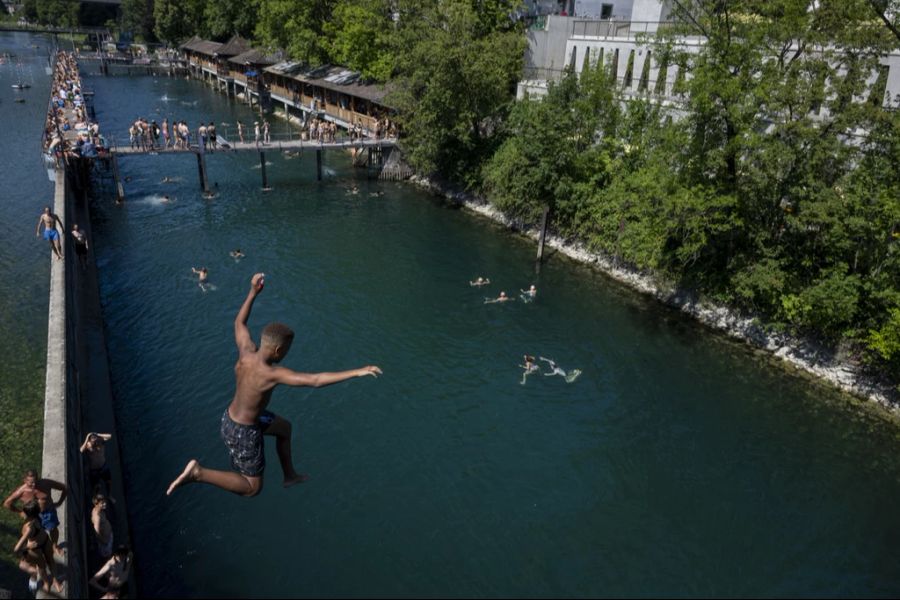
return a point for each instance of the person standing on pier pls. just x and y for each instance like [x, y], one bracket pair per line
[81, 245]
[266, 138]
[50, 221]
[165, 133]
[102, 526]
[211, 132]
[256, 131]
[40, 490]
[240, 127]
[246, 419]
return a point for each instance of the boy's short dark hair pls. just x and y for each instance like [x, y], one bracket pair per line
[277, 334]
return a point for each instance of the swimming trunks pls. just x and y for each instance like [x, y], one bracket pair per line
[98, 475]
[49, 519]
[245, 443]
[51, 234]
[106, 549]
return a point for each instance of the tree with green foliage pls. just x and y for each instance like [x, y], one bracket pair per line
[57, 13]
[297, 26]
[775, 187]
[361, 34]
[455, 82]
[138, 18]
[177, 20]
[224, 18]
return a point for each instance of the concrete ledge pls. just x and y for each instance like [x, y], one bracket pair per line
[54, 463]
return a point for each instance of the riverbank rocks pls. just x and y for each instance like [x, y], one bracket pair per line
[804, 354]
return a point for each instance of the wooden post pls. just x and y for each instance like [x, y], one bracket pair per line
[319, 164]
[262, 168]
[540, 252]
[120, 191]
[201, 166]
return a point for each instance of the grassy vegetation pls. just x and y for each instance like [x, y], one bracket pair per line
[21, 435]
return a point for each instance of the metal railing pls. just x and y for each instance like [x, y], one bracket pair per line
[605, 28]
[291, 140]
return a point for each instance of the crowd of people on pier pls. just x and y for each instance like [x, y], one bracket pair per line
[38, 545]
[68, 131]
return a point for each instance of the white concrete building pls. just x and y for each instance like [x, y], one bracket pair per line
[568, 41]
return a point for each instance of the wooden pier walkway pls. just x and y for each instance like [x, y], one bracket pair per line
[277, 145]
[376, 151]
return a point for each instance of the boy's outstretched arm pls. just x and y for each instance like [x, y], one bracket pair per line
[241, 332]
[289, 377]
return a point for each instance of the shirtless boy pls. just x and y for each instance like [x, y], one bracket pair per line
[94, 447]
[116, 570]
[246, 419]
[49, 220]
[81, 245]
[35, 488]
[102, 526]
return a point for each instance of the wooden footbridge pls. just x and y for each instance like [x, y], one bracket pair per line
[374, 155]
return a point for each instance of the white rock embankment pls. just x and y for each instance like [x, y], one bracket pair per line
[802, 354]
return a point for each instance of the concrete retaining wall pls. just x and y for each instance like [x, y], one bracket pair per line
[78, 394]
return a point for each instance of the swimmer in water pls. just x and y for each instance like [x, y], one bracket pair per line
[555, 370]
[353, 191]
[529, 366]
[529, 294]
[501, 298]
[165, 199]
[236, 254]
[480, 282]
[203, 275]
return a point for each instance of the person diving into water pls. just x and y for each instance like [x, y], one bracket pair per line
[555, 370]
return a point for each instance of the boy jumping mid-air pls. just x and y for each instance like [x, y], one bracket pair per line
[246, 419]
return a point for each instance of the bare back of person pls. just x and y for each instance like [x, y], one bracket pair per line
[255, 384]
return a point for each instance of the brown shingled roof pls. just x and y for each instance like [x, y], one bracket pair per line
[236, 45]
[254, 57]
[319, 76]
[201, 46]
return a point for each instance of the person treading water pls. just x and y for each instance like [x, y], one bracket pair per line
[246, 419]
[529, 294]
[555, 370]
[501, 298]
[236, 254]
[202, 276]
[529, 366]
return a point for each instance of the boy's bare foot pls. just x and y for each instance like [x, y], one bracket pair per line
[187, 476]
[298, 478]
